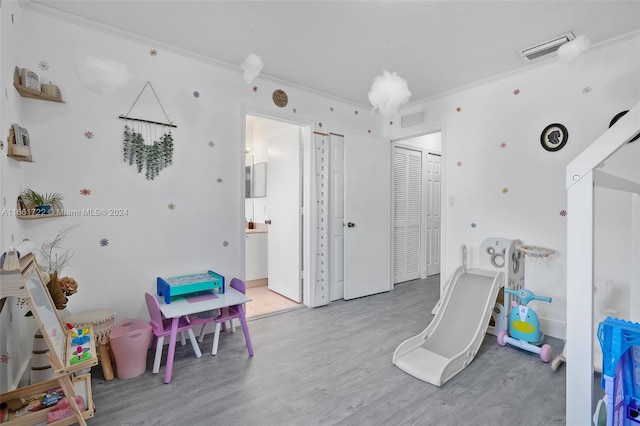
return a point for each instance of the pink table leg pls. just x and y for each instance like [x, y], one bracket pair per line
[172, 349]
[245, 330]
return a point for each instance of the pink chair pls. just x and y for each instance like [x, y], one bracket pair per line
[161, 327]
[202, 318]
[229, 314]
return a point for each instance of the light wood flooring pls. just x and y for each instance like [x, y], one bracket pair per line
[265, 302]
[332, 366]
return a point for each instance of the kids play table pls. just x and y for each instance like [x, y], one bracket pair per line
[193, 304]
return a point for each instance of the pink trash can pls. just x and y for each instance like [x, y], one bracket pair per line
[130, 340]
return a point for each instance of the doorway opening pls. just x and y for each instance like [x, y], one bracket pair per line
[417, 220]
[273, 194]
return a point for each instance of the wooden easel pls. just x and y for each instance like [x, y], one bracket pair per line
[23, 280]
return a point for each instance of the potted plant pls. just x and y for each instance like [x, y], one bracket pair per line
[41, 203]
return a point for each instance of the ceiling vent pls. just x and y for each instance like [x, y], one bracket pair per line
[545, 48]
[414, 119]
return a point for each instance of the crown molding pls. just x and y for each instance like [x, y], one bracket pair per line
[43, 9]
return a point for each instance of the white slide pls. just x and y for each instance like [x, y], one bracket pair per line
[453, 337]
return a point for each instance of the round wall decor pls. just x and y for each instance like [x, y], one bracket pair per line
[554, 137]
[280, 98]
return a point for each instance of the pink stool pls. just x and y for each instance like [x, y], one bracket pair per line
[130, 340]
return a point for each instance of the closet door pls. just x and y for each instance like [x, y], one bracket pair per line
[407, 213]
[434, 178]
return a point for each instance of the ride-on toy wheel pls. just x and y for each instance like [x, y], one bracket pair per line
[501, 336]
[545, 353]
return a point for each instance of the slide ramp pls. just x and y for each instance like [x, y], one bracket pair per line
[453, 337]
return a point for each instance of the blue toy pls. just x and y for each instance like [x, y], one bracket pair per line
[524, 326]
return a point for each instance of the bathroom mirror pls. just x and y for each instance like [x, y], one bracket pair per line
[260, 180]
[248, 176]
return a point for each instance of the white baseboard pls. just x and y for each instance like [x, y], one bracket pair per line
[554, 328]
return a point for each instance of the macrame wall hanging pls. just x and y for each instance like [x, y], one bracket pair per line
[154, 157]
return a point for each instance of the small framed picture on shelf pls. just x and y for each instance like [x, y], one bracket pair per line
[19, 142]
[21, 135]
[30, 79]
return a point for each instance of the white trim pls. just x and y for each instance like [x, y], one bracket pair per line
[526, 67]
[308, 248]
[43, 9]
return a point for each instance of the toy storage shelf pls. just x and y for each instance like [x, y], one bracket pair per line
[40, 416]
[30, 93]
[64, 354]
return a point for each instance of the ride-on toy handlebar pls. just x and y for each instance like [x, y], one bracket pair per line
[527, 296]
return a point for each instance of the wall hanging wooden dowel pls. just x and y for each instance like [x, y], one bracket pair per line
[124, 117]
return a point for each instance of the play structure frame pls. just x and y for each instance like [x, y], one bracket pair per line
[581, 179]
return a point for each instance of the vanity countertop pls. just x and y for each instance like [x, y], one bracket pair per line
[256, 231]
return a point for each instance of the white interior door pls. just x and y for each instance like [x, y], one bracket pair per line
[434, 177]
[284, 206]
[367, 211]
[336, 217]
[407, 214]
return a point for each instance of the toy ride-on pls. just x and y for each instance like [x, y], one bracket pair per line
[524, 327]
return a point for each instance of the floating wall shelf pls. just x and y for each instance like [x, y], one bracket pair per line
[30, 93]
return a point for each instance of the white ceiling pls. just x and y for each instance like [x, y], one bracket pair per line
[339, 47]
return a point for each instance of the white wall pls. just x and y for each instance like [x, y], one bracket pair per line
[16, 330]
[491, 115]
[206, 228]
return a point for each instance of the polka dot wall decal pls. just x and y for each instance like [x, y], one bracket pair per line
[219, 180]
[1, 144]
[153, 52]
[368, 130]
[331, 109]
[586, 90]
[6, 94]
[225, 243]
[255, 88]
[459, 163]
[104, 242]
[503, 145]
[391, 123]
[196, 94]
[212, 144]
[295, 110]
[563, 212]
[458, 109]
[516, 92]
[86, 192]
[505, 190]
[356, 112]
[88, 135]
[473, 225]
[43, 65]
[171, 206]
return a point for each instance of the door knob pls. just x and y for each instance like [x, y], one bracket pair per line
[351, 224]
[268, 221]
